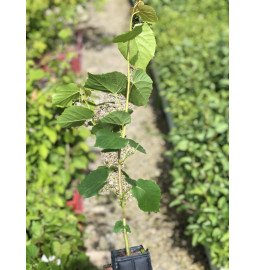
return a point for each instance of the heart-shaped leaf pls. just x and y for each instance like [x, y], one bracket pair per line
[142, 88]
[128, 35]
[109, 140]
[74, 116]
[112, 82]
[116, 118]
[148, 195]
[147, 13]
[93, 182]
[142, 47]
[65, 93]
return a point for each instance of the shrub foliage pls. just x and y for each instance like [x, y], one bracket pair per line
[192, 60]
[54, 156]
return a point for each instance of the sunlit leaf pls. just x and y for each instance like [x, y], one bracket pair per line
[142, 47]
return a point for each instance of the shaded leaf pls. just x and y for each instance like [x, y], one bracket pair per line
[195, 239]
[42, 266]
[137, 146]
[147, 13]
[175, 202]
[128, 35]
[142, 88]
[32, 252]
[74, 116]
[119, 227]
[113, 82]
[148, 195]
[93, 182]
[65, 93]
[116, 118]
[130, 181]
[109, 140]
[109, 127]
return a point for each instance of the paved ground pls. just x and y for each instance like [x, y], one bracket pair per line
[162, 233]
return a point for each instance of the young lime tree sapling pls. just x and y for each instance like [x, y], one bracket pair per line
[108, 119]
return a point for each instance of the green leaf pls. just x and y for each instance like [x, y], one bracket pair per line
[46, 250]
[119, 227]
[93, 182]
[128, 35]
[182, 145]
[36, 74]
[216, 233]
[148, 195]
[43, 151]
[74, 116]
[142, 47]
[109, 127]
[42, 266]
[147, 13]
[195, 239]
[130, 181]
[65, 93]
[51, 133]
[142, 88]
[222, 127]
[116, 118]
[113, 82]
[175, 202]
[109, 140]
[65, 249]
[65, 33]
[137, 146]
[32, 252]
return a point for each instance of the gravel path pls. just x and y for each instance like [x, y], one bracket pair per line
[162, 232]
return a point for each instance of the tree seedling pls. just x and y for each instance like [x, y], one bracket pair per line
[108, 119]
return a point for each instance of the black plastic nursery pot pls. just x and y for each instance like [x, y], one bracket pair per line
[141, 261]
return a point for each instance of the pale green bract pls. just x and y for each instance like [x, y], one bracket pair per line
[142, 47]
[74, 116]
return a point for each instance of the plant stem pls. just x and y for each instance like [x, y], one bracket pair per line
[123, 133]
[123, 206]
[128, 78]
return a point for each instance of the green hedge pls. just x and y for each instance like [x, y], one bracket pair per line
[54, 157]
[192, 60]
[49, 24]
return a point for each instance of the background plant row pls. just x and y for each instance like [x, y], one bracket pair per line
[55, 157]
[192, 61]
